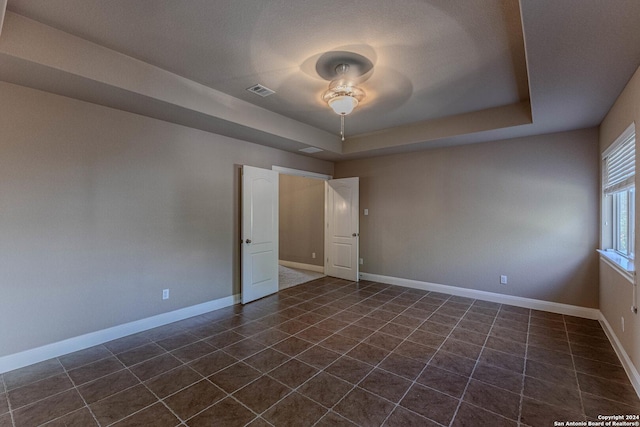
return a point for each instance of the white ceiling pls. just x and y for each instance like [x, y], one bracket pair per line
[445, 72]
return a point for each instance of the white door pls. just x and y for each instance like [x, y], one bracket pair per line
[259, 233]
[342, 236]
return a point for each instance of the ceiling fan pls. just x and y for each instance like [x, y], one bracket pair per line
[344, 70]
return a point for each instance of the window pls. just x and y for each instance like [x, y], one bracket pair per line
[618, 196]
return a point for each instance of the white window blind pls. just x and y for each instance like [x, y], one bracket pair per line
[620, 163]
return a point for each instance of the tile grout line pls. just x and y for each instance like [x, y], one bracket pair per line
[377, 366]
[524, 372]
[484, 345]
[293, 389]
[575, 371]
[414, 381]
[6, 391]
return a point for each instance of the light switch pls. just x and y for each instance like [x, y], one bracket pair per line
[366, 211]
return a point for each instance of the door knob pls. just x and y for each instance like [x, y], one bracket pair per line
[354, 234]
[248, 241]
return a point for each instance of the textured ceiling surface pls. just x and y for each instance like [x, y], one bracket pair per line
[432, 59]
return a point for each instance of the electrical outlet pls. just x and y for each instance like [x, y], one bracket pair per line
[622, 322]
[313, 255]
[165, 294]
[361, 261]
[503, 280]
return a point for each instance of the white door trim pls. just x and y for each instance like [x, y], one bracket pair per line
[298, 172]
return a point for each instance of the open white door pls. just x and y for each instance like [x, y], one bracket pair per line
[259, 233]
[342, 236]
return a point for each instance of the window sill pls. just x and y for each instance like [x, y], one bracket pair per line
[623, 265]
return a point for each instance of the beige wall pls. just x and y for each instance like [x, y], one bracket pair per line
[101, 209]
[301, 219]
[462, 216]
[616, 293]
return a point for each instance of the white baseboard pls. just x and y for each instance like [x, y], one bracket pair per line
[631, 370]
[39, 354]
[302, 266]
[554, 307]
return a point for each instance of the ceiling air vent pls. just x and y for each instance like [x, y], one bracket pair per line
[310, 150]
[261, 90]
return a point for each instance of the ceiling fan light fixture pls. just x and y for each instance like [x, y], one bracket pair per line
[343, 104]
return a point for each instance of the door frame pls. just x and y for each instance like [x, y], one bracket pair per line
[298, 172]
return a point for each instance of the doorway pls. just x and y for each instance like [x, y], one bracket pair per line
[260, 236]
[301, 227]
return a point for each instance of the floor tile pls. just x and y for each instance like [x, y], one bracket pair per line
[318, 356]
[349, 369]
[403, 366]
[499, 377]
[364, 408]
[227, 413]
[550, 357]
[401, 417]
[596, 405]
[193, 351]
[140, 354]
[154, 367]
[262, 393]
[32, 373]
[267, 360]
[428, 339]
[292, 346]
[293, 373]
[386, 384]
[444, 381]
[193, 399]
[48, 409]
[383, 341]
[550, 373]
[472, 416]
[430, 403]
[121, 405]
[213, 362]
[453, 363]
[172, 381]
[601, 369]
[461, 348]
[614, 390]
[502, 360]
[107, 386]
[39, 390]
[157, 416]
[493, 399]
[374, 339]
[234, 377]
[331, 419]
[325, 389]
[5, 420]
[177, 341]
[80, 418]
[84, 357]
[292, 409]
[368, 354]
[535, 413]
[4, 404]
[506, 346]
[245, 348]
[95, 370]
[338, 343]
[127, 343]
[224, 339]
[314, 334]
[552, 394]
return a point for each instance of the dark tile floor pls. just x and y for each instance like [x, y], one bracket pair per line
[334, 353]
